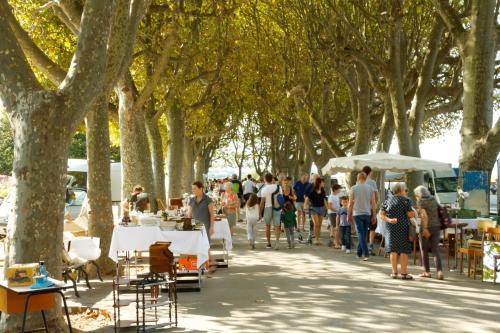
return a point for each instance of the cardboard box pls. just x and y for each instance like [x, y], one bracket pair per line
[22, 275]
[189, 263]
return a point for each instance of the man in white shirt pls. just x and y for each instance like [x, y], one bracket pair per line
[271, 215]
[248, 187]
[373, 184]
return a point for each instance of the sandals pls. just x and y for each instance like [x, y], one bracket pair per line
[406, 276]
[425, 275]
[394, 275]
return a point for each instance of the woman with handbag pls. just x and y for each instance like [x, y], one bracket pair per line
[430, 227]
[397, 212]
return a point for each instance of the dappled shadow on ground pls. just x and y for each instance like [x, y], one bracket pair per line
[318, 289]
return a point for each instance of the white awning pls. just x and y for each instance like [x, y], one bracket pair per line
[382, 162]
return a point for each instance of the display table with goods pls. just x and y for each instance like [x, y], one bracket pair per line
[190, 246]
[35, 297]
[222, 232]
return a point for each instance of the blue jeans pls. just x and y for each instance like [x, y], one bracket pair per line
[362, 224]
[345, 236]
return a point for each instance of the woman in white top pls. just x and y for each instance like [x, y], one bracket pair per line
[252, 215]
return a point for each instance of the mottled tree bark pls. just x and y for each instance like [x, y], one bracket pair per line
[100, 215]
[188, 165]
[43, 122]
[199, 167]
[158, 160]
[175, 127]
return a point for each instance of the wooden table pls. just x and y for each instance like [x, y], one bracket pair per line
[12, 299]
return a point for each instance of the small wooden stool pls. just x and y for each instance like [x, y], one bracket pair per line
[477, 254]
[469, 253]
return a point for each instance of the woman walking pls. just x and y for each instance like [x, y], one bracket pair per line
[317, 200]
[430, 230]
[230, 203]
[397, 212]
[252, 215]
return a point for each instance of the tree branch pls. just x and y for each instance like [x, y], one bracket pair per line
[86, 73]
[16, 76]
[451, 20]
[73, 10]
[49, 68]
[492, 140]
[159, 67]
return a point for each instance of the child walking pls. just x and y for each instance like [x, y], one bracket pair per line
[289, 220]
[252, 215]
[344, 225]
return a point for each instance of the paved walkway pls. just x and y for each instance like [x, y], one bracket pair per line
[319, 289]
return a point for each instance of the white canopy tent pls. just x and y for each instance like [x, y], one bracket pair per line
[382, 162]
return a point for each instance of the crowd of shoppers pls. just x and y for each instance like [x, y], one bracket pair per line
[284, 208]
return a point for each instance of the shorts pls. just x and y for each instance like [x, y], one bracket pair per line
[299, 206]
[321, 211]
[272, 217]
[332, 218]
[371, 226]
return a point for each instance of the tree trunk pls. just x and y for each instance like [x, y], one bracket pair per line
[175, 126]
[199, 167]
[35, 226]
[129, 151]
[145, 161]
[99, 181]
[387, 129]
[363, 123]
[156, 144]
[188, 165]
[479, 68]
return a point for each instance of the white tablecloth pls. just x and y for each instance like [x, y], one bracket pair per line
[222, 231]
[142, 237]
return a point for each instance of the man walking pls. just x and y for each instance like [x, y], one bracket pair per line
[272, 217]
[373, 184]
[238, 189]
[300, 189]
[361, 209]
[248, 188]
[309, 188]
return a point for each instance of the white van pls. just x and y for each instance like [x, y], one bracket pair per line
[442, 184]
[79, 168]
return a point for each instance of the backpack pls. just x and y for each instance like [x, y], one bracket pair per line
[444, 217]
[278, 199]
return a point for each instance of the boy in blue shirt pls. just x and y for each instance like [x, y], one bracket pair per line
[344, 225]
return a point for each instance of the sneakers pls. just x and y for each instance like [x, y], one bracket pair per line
[289, 245]
[268, 246]
[277, 245]
[365, 258]
[348, 251]
[293, 245]
[343, 248]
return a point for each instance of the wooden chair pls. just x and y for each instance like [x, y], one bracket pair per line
[496, 258]
[160, 204]
[474, 249]
[491, 233]
[175, 203]
[72, 268]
